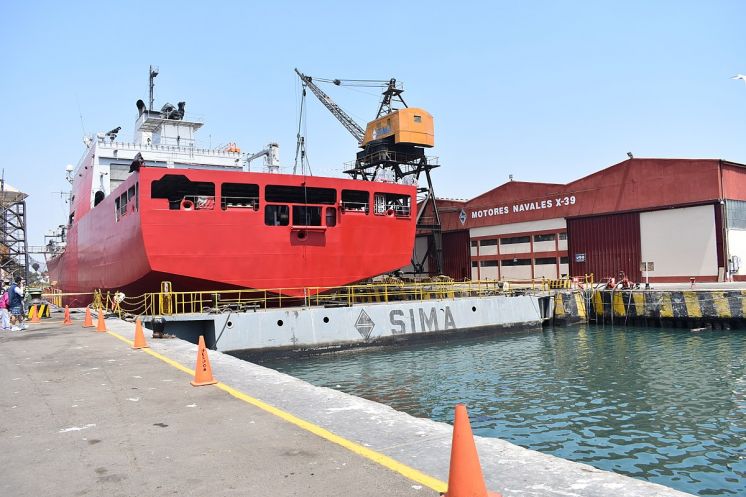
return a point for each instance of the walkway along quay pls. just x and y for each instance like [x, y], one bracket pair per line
[118, 421]
[721, 308]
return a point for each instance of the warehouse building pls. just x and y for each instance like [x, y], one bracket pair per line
[665, 219]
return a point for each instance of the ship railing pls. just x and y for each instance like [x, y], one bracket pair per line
[387, 289]
[355, 207]
[401, 210]
[198, 202]
[218, 301]
[179, 149]
[239, 203]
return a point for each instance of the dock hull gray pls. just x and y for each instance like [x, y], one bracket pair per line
[320, 329]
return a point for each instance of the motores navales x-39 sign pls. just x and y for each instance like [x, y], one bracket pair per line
[549, 203]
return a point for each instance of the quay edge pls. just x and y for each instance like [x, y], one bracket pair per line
[723, 309]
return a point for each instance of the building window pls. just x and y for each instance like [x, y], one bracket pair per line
[487, 243]
[544, 238]
[474, 263]
[563, 236]
[736, 214]
[515, 262]
[417, 119]
[488, 263]
[564, 260]
[545, 260]
[474, 243]
[515, 239]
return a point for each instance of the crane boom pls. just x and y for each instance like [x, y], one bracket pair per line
[354, 128]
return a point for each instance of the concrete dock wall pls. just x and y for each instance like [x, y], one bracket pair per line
[723, 309]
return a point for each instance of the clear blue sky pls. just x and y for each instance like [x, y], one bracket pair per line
[544, 90]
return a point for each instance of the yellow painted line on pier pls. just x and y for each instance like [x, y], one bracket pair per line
[377, 457]
[666, 306]
[722, 307]
[598, 303]
[693, 310]
[619, 310]
[580, 303]
[639, 299]
[559, 306]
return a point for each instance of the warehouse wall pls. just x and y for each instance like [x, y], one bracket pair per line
[681, 242]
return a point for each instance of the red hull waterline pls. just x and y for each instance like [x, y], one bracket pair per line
[296, 232]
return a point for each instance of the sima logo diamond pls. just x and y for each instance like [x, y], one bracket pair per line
[364, 325]
[462, 216]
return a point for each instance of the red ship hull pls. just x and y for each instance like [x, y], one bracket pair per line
[132, 244]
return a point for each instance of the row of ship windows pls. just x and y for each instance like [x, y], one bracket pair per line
[510, 240]
[184, 194]
[520, 262]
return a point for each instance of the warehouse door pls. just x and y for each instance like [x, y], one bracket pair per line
[456, 255]
[604, 246]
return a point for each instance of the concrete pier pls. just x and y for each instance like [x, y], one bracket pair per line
[84, 414]
[719, 308]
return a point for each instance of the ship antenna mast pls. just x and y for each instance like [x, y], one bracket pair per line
[152, 73]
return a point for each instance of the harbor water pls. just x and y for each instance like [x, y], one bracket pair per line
[663, 405]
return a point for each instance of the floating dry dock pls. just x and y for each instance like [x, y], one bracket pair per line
[309, 329]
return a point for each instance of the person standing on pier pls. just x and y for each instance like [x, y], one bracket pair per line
[4, 315]
[15, 304]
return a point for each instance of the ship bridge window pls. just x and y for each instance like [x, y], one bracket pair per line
[182, 193]
[355, 201]
[239, 196]
[277, 215]
[392, 204]
[306, 215]
[300, 195]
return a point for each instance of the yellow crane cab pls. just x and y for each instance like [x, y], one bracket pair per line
[411, 126]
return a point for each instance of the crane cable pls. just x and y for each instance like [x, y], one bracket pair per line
[300, 146]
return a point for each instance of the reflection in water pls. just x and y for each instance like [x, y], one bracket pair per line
[667, 406]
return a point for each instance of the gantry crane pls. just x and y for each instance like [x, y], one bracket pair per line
[394, 141]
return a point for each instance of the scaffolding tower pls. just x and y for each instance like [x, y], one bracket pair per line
[14, 256]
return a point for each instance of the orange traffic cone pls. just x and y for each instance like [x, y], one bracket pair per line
[67, 320]
[34, 315]
[139, 336]
[465, 476]
[88, 321]
[101, 325]
[202, 370]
